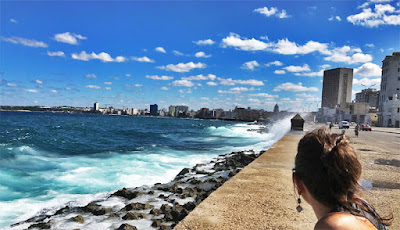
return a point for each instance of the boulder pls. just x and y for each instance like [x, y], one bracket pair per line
[62, 210]
[126, 227]
[78, 219]
[138, 206]
[134, 216]
[124, 192]
[40, 226]
[156, 212]
[189, 205]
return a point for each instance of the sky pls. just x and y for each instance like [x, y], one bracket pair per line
[214, 54]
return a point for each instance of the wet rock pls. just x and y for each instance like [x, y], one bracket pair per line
[156, 223]
[114, 215]
[138, 206]
[40, 226]
[156, 212]
[151, 192]
[182, 173]
[78, 219]
[134, 216]
[126, 227]
[189, 205]
[126, 193]
[96, 209]
[166, 207]
[62, 210]
[165, 227]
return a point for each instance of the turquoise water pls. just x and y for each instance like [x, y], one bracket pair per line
[49, 159]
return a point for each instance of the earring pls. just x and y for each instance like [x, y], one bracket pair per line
[299, 208]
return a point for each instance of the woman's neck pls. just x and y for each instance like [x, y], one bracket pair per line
[320, 209]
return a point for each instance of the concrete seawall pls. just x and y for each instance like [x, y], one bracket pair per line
[261, 196]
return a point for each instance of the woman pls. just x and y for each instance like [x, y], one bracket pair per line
[326, 176]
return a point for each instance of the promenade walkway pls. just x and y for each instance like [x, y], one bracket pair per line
[261, 196]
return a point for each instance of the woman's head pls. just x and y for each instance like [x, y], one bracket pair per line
[328, 167]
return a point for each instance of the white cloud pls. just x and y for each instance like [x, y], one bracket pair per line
[367, 81]
[279, 71]
[104, 57]
[204, 42]
[264, 38]
[275, 63]
[128, 75]
[348, 55]
[160, 49]
[211, 83]
[53, 91]
[311, 74]
[70, 38]
[164, 88]
[284, 46]
[143, 59]
[273, 11]
[230, 81]
[382, 14]
[138, 85]
[11, 85]
[237, 42]
[288, 86]
[185, 91]
[250, 65]
[304, 95]
[156, 77]
[107, 83]
[93, 87]
[13, 20]
[107, 88]
[200, 77]
[184, 82]
[24, 41]
[183, 67]
[325, 66]
[368, 70]
[91, 75]
[177, 53]
[236, 90]
[201, 54]
[56, 54]
[252, 100]
[337, 18]
[295, 69]
[31, 90]
[266, 95]
[38, 81]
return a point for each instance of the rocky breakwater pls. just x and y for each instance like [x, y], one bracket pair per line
[160, 206]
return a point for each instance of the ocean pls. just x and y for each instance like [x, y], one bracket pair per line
[49, 159]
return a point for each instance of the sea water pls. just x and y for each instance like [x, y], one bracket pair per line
[49, 159]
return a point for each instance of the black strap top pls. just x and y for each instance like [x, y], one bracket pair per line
[366, 215]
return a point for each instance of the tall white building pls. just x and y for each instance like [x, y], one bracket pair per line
[389, 111]
[96, 106]
[336, 87]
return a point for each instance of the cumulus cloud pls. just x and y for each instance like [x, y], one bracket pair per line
[104, 57]
[284, 46]
[367, 81]
[160, 49]
[91, 75]
[211, 83]
[200, 77]
[93, 87]
[11, 85]
[12, 20]
[156, 77]
[368, 70]
[289, 86]
[56, 54]
[53, 91]
[370, 45]
[143, 59]
[177, 53]
[231, 82]
[70, 38]
[183, 67]
[275, 63]
[304, 68]
[201, 54]
[236, 90]
[311, 74]
[107, 83]
[128, 75]
[184, 83]
[107, 88]
[273, 11]
[37, 81]
[24, 41]
[234, 40]
[204, 42]
[349, 55]
[337, 18]
[381, 14]
[164, 88]
[279, 72]
[250, 65]
[31, 90]
[266, 95]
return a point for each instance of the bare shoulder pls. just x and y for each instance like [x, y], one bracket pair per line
[340, 220]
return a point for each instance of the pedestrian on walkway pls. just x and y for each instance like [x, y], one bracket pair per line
[326, 175]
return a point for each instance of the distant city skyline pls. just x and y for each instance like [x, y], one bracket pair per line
[199, 54]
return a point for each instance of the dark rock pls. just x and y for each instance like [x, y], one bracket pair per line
[126, 227]
[156, 212]
[62, 210]
[96, 209]
[166, 207]
[182, 173]
[78, 219]
[165, 227]
[126, 193]
[134, 216]
[113, 215]
[151, 192]
[189, 205]
[162, 196]
[157, 223]
[40, 226]
[138, 206]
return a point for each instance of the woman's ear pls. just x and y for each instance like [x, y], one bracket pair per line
[299, 184]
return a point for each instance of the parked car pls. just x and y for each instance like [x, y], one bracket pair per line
[344, 125]
[366, 127]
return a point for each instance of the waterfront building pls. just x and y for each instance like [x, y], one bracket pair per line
[370, 96]
[178, 110]
[276, 108]
[390, 91]
[336, 87]
[154, 110]
[96, 107]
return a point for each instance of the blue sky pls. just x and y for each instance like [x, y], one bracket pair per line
[202, 54]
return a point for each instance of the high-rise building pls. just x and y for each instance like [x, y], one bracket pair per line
[96, 107]
[336, 87]
[276, 108]
[389, 103]
[154, 110]
[178, 110]
[370, 96]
